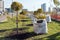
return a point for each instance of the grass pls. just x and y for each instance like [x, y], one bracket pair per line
[8, 31]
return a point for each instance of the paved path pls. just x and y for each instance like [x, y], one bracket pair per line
[2, 18]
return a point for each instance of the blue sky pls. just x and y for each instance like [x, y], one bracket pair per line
[31, 5]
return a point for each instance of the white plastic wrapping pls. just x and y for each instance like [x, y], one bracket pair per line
[48, 18]
[40, 27]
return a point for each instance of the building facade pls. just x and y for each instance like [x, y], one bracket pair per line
[43, 6]
[1, 5]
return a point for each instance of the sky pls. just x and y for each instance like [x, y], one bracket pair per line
[31, 5]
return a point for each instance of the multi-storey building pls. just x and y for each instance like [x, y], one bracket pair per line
[43, 6]
[1, 6]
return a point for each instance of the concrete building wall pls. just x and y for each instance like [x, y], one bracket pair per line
[1, 5]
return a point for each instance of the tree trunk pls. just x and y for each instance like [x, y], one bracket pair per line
[17, 22]
[12, 15]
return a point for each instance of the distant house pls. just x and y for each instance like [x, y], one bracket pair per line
[9, 10]
[56, 9]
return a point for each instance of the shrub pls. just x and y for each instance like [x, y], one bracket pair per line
[41, 16]
[35, 13]
[21, 16]
[39, 10]
[23, 12]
